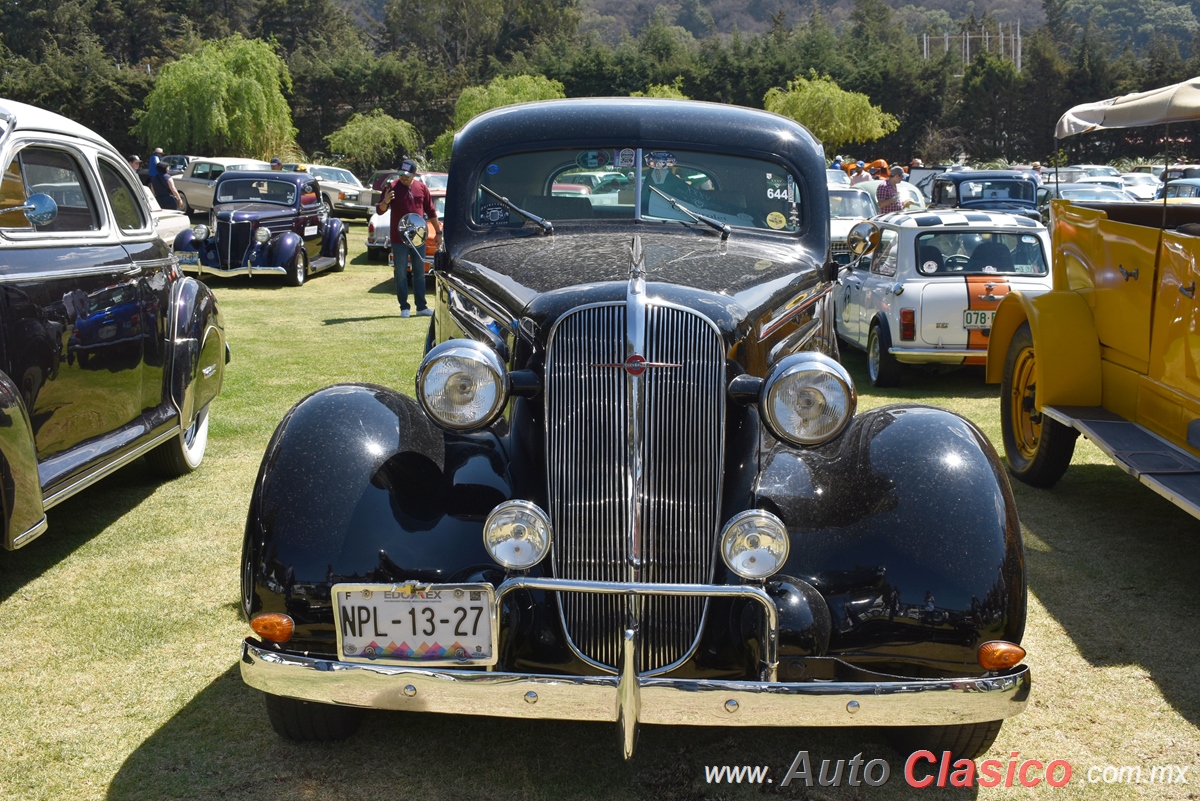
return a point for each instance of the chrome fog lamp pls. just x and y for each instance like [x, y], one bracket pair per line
[200, 231]
[807, 398]
[262, 235]
[462, 384]
[517, 534]
[754, 544]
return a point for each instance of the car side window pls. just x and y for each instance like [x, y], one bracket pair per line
[884, 262]
[12, 195]
[126, 210]
[53, 172]
[201, 171]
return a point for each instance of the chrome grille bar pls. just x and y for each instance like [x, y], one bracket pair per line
[591, 420]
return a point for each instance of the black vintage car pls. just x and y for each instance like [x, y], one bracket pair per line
[632, 485]
[108, 352]
[265, 223]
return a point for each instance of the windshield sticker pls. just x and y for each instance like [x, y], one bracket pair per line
[1028, 240]
[626, 157]
[660, 160]
[492, 169]
[593, 159]
[791, 189]
[776, 220]
[929, 267]
[779, 187]
[493, 214]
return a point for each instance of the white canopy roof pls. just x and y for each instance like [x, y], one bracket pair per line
[1178, 103]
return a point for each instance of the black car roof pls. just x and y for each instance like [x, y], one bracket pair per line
[275, 175]
[984, 175]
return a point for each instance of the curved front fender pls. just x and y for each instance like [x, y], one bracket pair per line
[282, 250]
[198, 348]
[907, 527]
[20, 486]
[358, 485]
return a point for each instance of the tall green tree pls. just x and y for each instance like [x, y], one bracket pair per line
[834, 115]
[369, 141]
[225, 98]
[499, 92]
[991, 95]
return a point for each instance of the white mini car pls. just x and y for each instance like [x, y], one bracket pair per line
[925, 285]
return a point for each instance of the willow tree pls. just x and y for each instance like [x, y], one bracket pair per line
[225, 99]
[475, 100]
[371, 140]
[834, 115]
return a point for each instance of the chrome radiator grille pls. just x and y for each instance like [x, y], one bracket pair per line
[233, 240]
[596, 444]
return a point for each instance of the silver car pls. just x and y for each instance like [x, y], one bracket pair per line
[341, 190]
[200, 178]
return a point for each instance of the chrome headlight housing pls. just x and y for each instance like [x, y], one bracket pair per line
[517, 534]
[262, 234]
[755, 544]
[200, 231]
[807, 399]
[462, 385]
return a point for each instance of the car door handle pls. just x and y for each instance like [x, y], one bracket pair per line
[1126, 274]
[1189, 290]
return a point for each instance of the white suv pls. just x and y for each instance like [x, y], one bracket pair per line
[925, 285]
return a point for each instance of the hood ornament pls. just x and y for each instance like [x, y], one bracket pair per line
[637, 258]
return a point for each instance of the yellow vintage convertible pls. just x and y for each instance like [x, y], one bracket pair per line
[1113, 350]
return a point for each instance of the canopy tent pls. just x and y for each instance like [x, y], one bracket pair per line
[1177, 103]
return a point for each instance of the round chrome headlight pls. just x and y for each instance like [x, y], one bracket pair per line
[807, 399]
[200, 231]
[262, 235]
[462, 384]
[755, 544]
[517, 535]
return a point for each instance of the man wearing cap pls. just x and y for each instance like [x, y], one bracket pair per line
[276, 164]
[154, 158]
[888, 195]
[406, 195]
[859, 175]
[135, 164]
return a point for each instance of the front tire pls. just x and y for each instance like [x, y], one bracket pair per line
[882, 367]
[299, 271]
[183, 453]
[339, 262]
[966, 741]
[1038, 449]
[308, 721]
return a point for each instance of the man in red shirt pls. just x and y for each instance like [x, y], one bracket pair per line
[406, 195]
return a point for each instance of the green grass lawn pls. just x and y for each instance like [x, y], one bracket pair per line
[119, 677]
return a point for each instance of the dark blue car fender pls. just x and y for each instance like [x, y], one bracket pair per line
[357, 484]
[282, 250]
[907, 526]
[334, 229]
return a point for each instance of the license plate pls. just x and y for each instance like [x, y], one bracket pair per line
[108, 332]
[437, 624]
[978, 319]
[188, 257]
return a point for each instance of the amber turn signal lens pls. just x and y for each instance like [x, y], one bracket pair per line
[277, 628]
[998, 655]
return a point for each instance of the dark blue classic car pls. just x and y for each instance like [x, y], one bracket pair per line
[986, 190]
[633, 485]
[107, 352]
[265, 223]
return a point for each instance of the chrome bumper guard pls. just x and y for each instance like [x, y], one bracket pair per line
[628, 698]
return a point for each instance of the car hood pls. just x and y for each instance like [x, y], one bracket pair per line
[543, 276]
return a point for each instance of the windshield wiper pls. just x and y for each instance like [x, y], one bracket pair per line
[709, 221]
[547, 226]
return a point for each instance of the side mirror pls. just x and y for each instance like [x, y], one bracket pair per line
[39, 209]
[414, 230]
[863, 238]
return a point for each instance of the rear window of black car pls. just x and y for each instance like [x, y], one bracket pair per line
[630, 182]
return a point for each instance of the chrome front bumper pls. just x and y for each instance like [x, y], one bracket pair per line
[628, 698]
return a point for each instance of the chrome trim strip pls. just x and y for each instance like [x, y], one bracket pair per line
[787, 314]
[690, 702]
[86, 480]
[34, 531]
[936, 352]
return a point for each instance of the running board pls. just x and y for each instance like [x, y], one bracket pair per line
[1162, 466]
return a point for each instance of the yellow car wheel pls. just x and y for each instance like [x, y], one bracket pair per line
[1038, 448]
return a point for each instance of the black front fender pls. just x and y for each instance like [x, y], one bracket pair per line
[357, 484]
[907, 526]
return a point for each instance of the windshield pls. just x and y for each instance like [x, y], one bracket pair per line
[996, 189]
[958, 253]
[616, 183]
[1096, 193]
[850, 204]
[333, 174]
[434, 181]
[260, 191]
